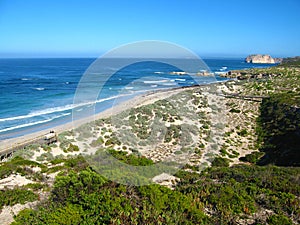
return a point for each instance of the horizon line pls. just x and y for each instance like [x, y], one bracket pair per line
[207, 56]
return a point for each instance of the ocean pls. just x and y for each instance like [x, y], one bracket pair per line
[38, 94]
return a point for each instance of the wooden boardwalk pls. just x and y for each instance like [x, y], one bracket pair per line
[9, 150]
[255, 98]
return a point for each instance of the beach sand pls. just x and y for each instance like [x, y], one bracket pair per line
[137, 101]
[222, 117]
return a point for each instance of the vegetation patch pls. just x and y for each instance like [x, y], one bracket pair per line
[253, 157]
[220, 162]
[279, 129]
[11, 197]
[18, 165]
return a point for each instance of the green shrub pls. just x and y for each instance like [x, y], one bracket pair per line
[220, 162]
[17, 165]
[97, 142]
[72, 148]
[45, 157]
[279, 129]
[243, 132]
[13, 196]
[233, 110]
[253, 157]
[279, 219]
[46, 148]
[35, 186]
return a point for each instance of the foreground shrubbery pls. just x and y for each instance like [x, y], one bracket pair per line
[87, 198]
[237, 192]
[226, 194]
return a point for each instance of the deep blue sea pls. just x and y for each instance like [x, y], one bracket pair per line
[38, 94]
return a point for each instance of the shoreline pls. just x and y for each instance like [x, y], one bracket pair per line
[139, 100]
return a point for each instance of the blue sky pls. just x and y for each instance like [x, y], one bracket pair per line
[73, 28]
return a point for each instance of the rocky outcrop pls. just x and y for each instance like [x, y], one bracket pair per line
[247, 74]
[278, 60]
[262, 59]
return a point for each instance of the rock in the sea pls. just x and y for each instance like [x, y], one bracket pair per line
[262, 59]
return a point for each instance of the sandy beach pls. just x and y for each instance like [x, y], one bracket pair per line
[144, 99]
[216, 110]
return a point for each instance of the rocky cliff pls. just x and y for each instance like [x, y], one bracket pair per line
[262, 59]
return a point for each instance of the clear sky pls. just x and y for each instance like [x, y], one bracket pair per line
[83, 28]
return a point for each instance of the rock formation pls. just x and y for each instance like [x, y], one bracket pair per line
[257, 58]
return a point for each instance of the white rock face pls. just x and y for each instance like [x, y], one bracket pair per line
[260, 59]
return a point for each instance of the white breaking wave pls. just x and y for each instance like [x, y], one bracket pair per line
[128, 88]
[169, 84]
[39, 89]
[219, 73]
[33, 123]
[179, 79]
[58, 109]
[156, 81]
